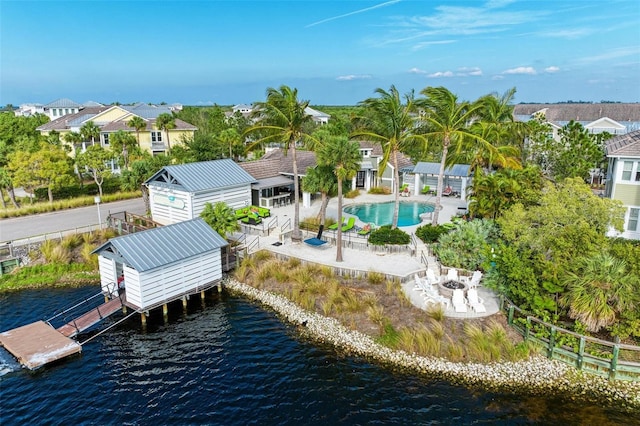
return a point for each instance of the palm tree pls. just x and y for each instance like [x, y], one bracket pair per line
[282, 119]
[600, 290]
[166, 122]
[138, 124]
[321, 179]
[221, 218]
[344, 156]
[447, 121]
[90, 132]
[391, 123]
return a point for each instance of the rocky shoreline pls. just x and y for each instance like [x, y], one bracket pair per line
[537, 375]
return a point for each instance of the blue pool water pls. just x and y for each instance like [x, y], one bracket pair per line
[382, 213]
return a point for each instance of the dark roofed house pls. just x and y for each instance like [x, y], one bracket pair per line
[623, 179]
[180, 192]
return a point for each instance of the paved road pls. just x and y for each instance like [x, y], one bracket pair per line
[34, 225]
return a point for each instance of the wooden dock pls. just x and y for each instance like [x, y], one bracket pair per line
[37, 344]
[92, 317]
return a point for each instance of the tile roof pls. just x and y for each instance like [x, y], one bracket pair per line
[153, 248]
[262, 168]
[627, 145]
[202, 176]
[582, 112]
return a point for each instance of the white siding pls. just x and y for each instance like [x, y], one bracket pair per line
[164, 213]
[132, 285]
[235, 198]
[169, 282]
[107, 274]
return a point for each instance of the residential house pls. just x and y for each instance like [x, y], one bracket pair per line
[318, 117]
[623, 178]
[614, 118]
[111, 119]
[180, 192]
[61, 107]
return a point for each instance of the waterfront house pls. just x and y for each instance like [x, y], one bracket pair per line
[623, 178]
[180, 192]
[161, 264]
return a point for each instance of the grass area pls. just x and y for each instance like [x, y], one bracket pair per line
[380, 308]
[45, 207]
[49, 275]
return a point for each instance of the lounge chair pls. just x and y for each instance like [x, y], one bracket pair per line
[315, 242]
[366, 230]
[349, 225]
[335, 225]
[475, 279]
[447, 192]
[431, 277]
[476, 303]
[458, 301]
[452, 274]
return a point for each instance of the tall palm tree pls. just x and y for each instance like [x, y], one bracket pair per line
[600, 290]
[138, 124]
[90, 132]
[448, 122]
[389, 121]
[321, 179]
[344, 156]
[166, 122]
[282, 119]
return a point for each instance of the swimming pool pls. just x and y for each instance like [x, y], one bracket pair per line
[382, 213]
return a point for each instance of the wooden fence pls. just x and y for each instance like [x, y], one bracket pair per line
[601, 357]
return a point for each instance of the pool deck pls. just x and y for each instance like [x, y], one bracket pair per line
[402, 266]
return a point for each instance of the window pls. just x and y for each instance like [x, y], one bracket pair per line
[54, 112]
[156, 136]
[632, 225]
[627, 167]
[105, 139]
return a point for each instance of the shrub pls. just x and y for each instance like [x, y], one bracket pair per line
[375, 278]
[386, 235]
[380, 190]
[429, 233]
[352, 194]
[468, 246]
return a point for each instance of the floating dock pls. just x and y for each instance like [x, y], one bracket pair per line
[37, 344]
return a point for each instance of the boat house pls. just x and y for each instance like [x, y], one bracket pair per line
[162, 264]
[180, 192]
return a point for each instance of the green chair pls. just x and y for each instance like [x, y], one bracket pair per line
[349, 225]
[334, 227]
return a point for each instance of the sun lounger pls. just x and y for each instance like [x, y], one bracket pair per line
[452, 274]
[335, 225]
[458, 301]
[431, 277]
[476, 303]
[366, 230]
[315, 242]
[349, 225]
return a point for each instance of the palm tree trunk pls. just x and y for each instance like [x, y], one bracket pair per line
[322, 214]
[339, 236]
[396, 184]
[145, 198]
[445, 151]
[295, 236]
[168, 142]
[138, 137]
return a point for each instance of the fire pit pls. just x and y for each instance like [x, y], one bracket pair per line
[446, 288]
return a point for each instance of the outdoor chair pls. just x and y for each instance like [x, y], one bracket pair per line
[447, 192]
[349, 225]
[475, 279]
[476, 303]
[335, 225]
[458, 301]
[431, 277]
[366, 230]
[452, 274]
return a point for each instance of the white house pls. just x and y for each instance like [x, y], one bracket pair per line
[623, 179]
[178, 193]
[161, 264]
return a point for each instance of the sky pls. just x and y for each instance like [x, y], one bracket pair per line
[333, 52]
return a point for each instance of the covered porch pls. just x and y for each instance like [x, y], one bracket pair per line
[456, 177]
[276, 191]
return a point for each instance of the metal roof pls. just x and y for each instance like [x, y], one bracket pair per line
[434, 169]
[272, 182]
[62, 103]
[165, 245]
[202, 176]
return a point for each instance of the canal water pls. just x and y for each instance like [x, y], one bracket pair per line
[229, 362]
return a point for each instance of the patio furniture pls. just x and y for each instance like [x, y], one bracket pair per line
[251, 219]
[452, 274]
[458, 301]
[476, 303]
[475, 279]
[349, 225]
[431, 276]
[315, 242]
[366, 230]
[335, 225]
[447, 192]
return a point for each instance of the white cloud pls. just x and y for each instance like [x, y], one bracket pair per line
[355, 12]
[415, 70]
[615, 53]
[551, 70]
[441, 74]
[353, 77]
[520, 70]
[569, 34]
[497, 77]
[472, 71]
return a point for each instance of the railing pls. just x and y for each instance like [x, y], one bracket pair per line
[253, 244]
[600, 357]
[286, 226]
[74, 305]
[414, 241]
[128, 223]
[273, 224]
[58, 235]
[424, 259]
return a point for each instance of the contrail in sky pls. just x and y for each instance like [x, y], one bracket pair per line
[388, 3]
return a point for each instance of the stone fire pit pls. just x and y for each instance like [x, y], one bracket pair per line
[446, 288]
